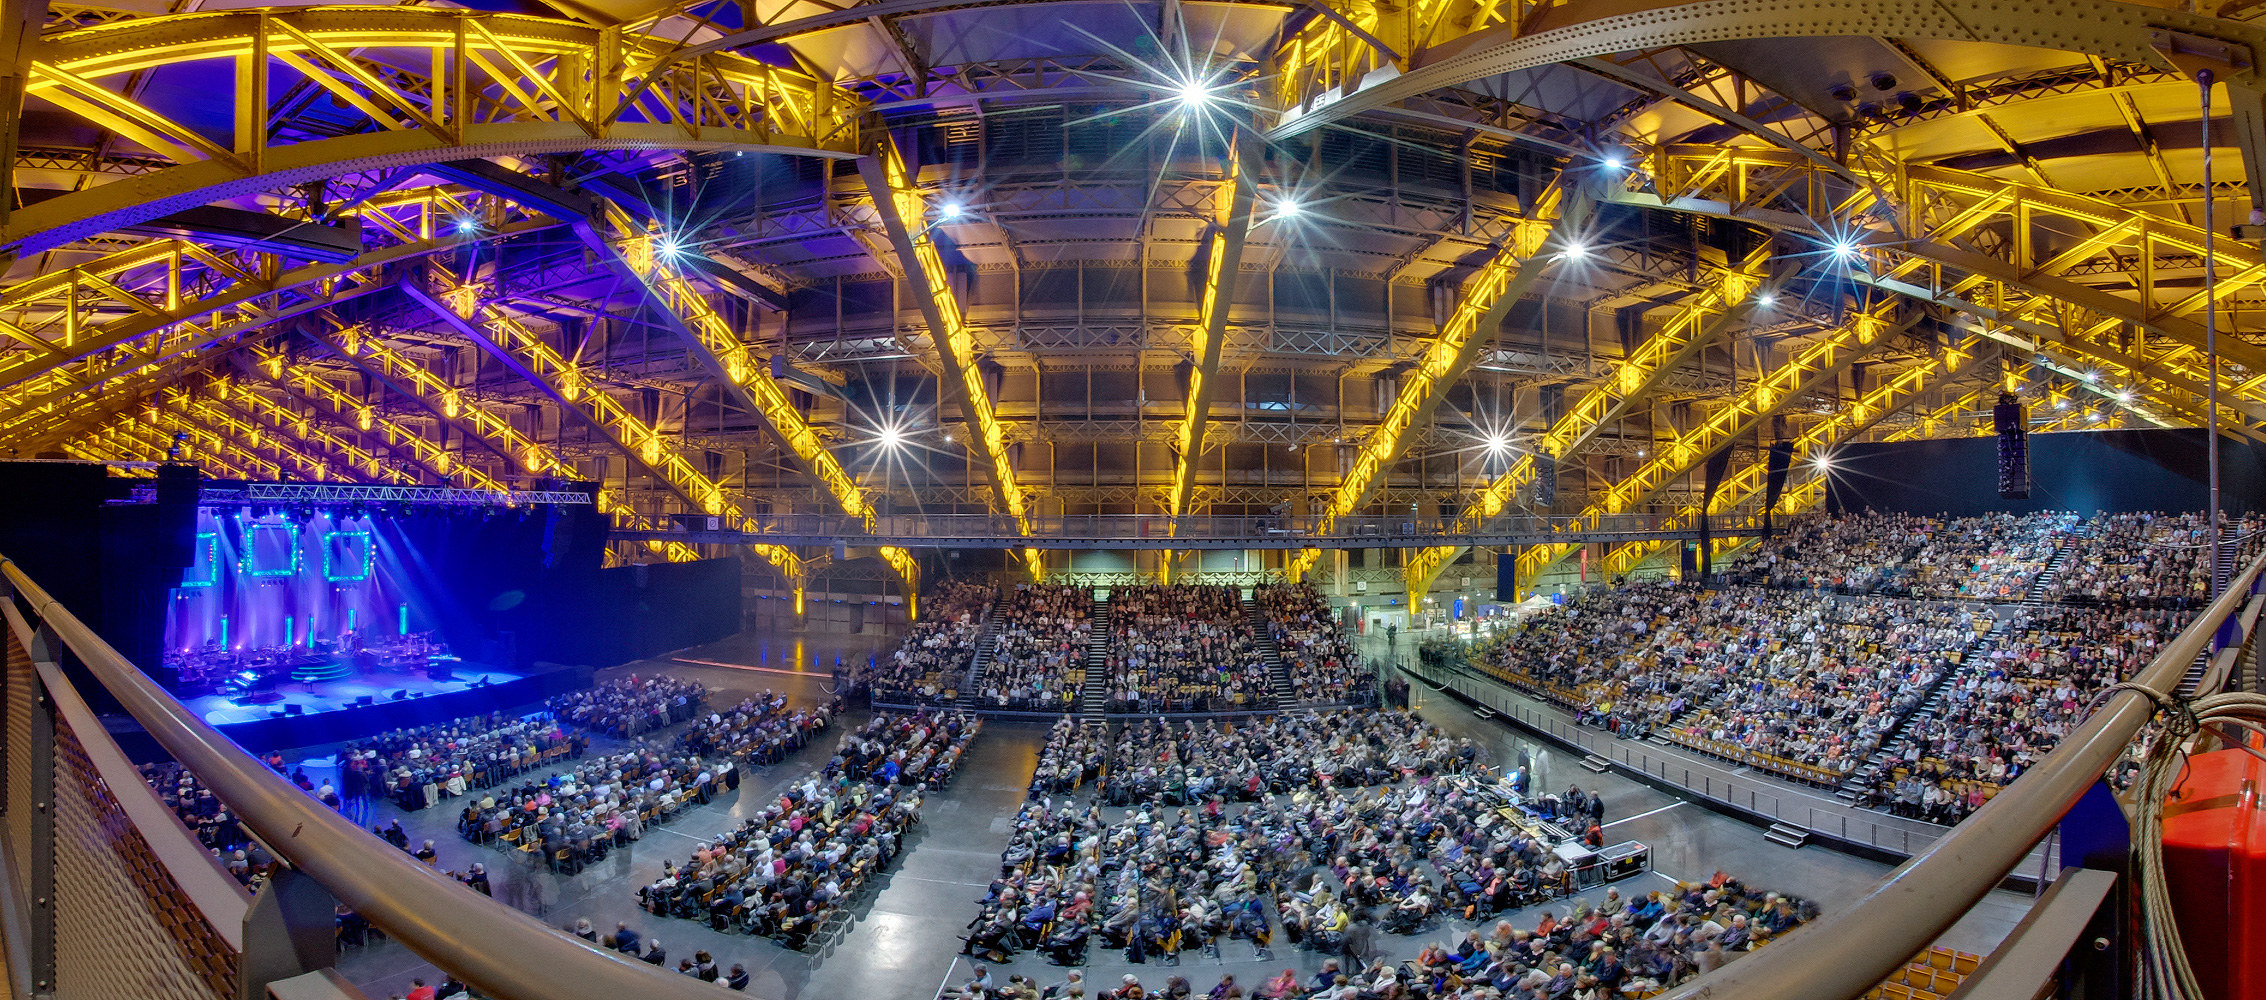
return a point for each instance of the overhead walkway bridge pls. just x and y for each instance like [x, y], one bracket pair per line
[105, 895]
[1157, 531]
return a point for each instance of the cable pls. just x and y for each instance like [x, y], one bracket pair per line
[2164, 971]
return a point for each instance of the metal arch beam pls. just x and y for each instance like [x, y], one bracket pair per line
[531, 358]
[1697, 321]
[1847, 423]
[248, 432]
[1324, 82]
[1863, 333]
[309, 429]
[639, 256]
[897, 199]
[1222, 275]
[502, 83]
[1487, 297]
[1940, 210]
[161, 322]
[408, 377]
[241, 449]
[141, 437]
[642, 256]
[268, 365]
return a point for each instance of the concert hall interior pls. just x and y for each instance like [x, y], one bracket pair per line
[1133, 499]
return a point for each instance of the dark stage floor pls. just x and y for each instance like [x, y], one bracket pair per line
[331, 696]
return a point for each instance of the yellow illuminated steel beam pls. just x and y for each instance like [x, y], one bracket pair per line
[748, 379]
[215, 417]
[1697, 321]
[246, 462]
[451, 84]
[1223, 270]
[1487, 297]
[140, 433]
[1847, 423]
[520, 349]
[88, 326]
[311, 429]
[903, 210]
[1861, 334]
[452, 407]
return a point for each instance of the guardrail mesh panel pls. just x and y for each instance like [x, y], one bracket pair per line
[123, 927]
[21, 682]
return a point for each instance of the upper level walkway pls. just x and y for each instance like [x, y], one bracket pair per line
[1156, 531]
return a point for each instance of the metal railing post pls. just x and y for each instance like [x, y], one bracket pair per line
[36, 762]
[290, 930]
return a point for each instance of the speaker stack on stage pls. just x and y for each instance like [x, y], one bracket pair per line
[2013, 426]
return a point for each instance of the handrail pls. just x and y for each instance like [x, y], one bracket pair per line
[497, 950]
[1844, 954]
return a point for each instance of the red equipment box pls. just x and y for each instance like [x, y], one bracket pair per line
[2215, 858]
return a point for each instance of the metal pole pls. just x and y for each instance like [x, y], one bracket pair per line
[2211, 340]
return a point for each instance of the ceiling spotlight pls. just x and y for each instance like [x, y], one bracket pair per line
[1766, 300]
[467, 224]
[1845, 249]
[1287, 209]
[2090, 376]
[1641, 452]
[947, 438]
[2061, 404]
[1193, 94]
[1822, 462]
[1497, 443]
[2094, 417]
[950, 210]
[892, 438]
[668, 247]
[1612, 161]
[1577, 251]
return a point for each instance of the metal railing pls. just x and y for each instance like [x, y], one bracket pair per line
[107, 895]
[1844, 954]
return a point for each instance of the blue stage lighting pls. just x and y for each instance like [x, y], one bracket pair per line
[347, 556]
[211, 542]
[251, 564]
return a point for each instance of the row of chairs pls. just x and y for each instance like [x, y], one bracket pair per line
[1931, 975]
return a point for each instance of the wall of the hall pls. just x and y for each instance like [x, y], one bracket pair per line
[2085, 471]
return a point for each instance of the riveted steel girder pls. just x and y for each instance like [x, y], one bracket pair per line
[1486, 298]
[897, 199]
[528, 355]
[421, 85]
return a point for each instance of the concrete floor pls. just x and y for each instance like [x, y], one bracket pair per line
[904, 943]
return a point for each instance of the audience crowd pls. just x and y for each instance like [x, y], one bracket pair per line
[416, 768]
[631, 706]
[1324, 668]
[2009, 708]
[928, 665]
[2147, 560]
[782, 872]
[1182, 648]
[1039, 664]
[1989, 557]
[1815, 683]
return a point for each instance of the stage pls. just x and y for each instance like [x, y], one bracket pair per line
[329, 713]
[377, 684]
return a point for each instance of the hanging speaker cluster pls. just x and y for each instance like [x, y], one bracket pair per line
[2013, 426]
[1545, 481]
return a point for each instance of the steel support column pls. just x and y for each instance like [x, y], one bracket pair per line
[903, 210]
